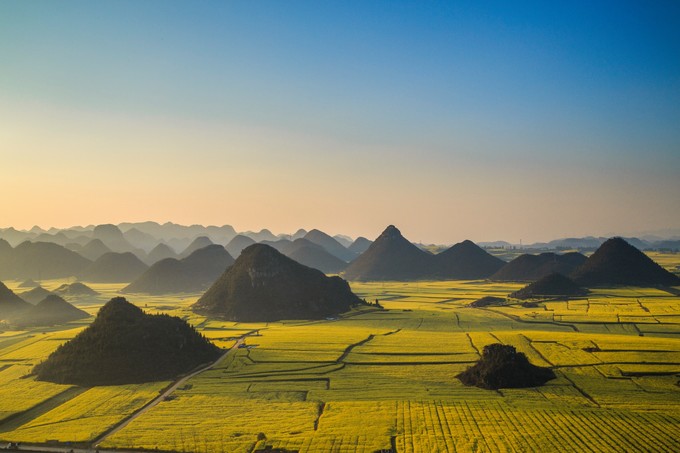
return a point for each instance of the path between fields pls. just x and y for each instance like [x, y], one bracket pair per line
[168, 392]
[66, 448]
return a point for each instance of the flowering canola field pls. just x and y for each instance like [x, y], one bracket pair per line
[376, 380]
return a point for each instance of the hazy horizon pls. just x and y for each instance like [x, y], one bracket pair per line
[661, 234]
[528, 121]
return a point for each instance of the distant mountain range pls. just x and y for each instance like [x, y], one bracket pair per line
[129, 253]
[142, 237]
[591, 243]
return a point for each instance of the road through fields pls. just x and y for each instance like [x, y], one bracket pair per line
[167, 393]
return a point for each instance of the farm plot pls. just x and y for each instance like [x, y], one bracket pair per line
[378, 380]
[669, 260]
[87, 415]
[494, 426]
[18, 393]
[207, 422]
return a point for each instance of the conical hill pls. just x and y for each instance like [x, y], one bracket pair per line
[124, 345]
[94, 249]
[465, 261]
[75, 289]
[160, 252]
[10, 303]
[198, 243]
[238, 243]
[526, 268]
[330, 244]
[194, 273]
[35, 295]
[50, 311]
[265, 285]
[115, 267]
[42, 260]
[616, 262]
[553, 285]
[390, 257]
[315, 256]
[30, 283]
[360, 245]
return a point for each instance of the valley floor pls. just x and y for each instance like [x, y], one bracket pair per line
[380, 379]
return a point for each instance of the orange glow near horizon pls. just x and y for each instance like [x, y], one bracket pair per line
[79, 168]
[452, 121]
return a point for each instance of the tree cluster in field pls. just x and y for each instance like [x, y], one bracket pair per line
[125, 345]
[488, 301]
[501, 366]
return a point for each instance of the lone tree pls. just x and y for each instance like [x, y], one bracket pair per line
[501, 366]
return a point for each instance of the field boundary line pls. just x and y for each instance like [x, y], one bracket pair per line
[524, 321]
[160, 398]
[581, 391]
[349, 348]
[17, 419]
[540, 354]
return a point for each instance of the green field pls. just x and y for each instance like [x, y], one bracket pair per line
[375, 379]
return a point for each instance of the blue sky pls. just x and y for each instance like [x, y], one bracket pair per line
[440, 117]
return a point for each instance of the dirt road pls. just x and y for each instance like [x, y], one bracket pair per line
[177, 384]
[167, 393]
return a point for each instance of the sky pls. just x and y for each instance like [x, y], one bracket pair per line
[476, 120]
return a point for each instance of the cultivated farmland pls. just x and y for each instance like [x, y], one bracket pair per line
[382, 379]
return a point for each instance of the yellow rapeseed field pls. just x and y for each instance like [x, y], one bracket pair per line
[376, 380]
